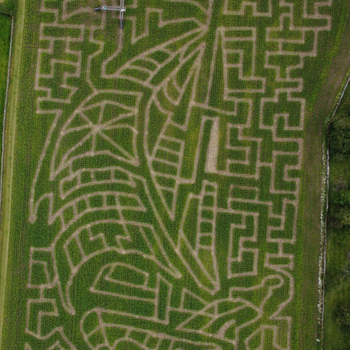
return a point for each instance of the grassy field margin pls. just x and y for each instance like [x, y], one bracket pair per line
[8, 153]
[5, 112]
[316, 170]
[4, 97]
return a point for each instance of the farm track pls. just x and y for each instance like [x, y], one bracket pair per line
[5, 112]
[8, 155]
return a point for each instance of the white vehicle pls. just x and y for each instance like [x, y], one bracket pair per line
[121, 9]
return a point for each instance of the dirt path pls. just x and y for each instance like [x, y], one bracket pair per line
[9, 153]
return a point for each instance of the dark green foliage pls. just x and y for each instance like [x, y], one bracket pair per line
[342, 197]
[8, 7]
[343, 315]
[339, 137]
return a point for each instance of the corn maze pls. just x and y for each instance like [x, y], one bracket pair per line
[165, 200]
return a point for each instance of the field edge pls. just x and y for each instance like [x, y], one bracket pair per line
[9, 136]
[315, 155]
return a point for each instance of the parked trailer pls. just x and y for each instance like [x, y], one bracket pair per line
[121, 9]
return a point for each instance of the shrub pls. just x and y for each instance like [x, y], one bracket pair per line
[342, 237]
[8, 7]
[333, 277]
[334, 221]
[342, 197]
[339, 137]
[343, 314]
[340, 141]
[340, 185]
[344, 214]
[339, 216]
[334, 217]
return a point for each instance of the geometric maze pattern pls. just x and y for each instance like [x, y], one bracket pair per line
[170, 175]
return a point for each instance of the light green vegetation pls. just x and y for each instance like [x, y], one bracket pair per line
[5, 25]
[8, 161]
[159, 189]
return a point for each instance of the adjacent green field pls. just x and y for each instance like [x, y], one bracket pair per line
[158, 191]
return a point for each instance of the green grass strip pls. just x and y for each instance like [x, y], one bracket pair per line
[5, 48]
[9, 154]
